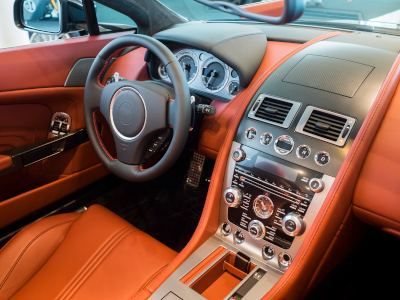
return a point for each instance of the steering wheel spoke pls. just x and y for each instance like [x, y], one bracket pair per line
[138, 111]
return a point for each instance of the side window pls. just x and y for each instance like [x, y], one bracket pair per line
[11, 36]
[110, 20]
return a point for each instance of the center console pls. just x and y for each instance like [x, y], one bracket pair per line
[288, 149]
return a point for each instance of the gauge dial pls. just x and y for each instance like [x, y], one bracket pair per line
[188, 61]
[162, 71]
[263, 207]
[214, 75]
[234, 88]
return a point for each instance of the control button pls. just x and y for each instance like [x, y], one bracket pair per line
[61, 118]
[284, 145]
[284, 260]
[233, 196]
[263, 207]
[56, 118]
[251, 133]
[303, 151]
[56, 126]
[257, 230]
[268, 252]
[316, 185]
[322, 158]
[238, 155]
[346, 131]
[266, 139]
[293, 224]
[238, 236]
[226, 229]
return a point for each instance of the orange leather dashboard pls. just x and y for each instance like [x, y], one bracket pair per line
[5, 162]
[376, 198]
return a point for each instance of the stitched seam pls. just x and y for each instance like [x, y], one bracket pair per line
[27, 247]
[370, 119]
[147, 283]
[106, 63]
[90, 263]
[219, 161]
[232, 38]
[100, 259]
[140, 71]
[145, 11]
[99, 136]
[371, 212]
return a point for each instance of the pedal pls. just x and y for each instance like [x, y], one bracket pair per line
[195, 170]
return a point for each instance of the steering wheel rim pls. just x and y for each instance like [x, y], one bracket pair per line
[177, 110]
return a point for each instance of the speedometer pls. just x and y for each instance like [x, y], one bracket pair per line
[188, 61]
[214, 75]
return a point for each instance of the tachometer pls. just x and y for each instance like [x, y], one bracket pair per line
[188, 61]
[214, 75]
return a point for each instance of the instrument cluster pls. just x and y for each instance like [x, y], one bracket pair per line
[205, 74]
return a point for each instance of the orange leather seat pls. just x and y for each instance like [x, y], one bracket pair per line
[93, 255]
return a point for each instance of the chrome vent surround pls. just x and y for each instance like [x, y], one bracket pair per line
[325, 125]
[274, 110]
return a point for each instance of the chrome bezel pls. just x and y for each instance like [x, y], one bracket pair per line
[283, 151]
[265, 133]
[245, 134]
[163, 77]
[262, 233]
[265, 256]
[229, 84]
[283, 263]
[238, 196]
[298, 153]
[340, 141]
[111, 115]
[300, 224]
[191, 54]
[242, 155]
[316, 157]
[225, 233]
[289, 118]
[321, 185]
[258, 214]
[206, 63]
[237, 241]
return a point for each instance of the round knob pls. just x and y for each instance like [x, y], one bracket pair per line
[284, 260]
[316, 185]
[293, 224]
[233, 196]
[238, 155]
[256, 229]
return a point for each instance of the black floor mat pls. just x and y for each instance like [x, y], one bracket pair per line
[164, 208]
[371, 271]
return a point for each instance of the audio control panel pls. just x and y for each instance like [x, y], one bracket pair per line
[269, 197]
[268, 204]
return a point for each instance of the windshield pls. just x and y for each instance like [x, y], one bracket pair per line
[330, 13]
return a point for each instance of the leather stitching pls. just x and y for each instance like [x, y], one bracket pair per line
[140, 71]
[27, 247]
[149, 281]
[99, 136]
[107, 61]
[353, 155]
[93, 260]
[101, 257]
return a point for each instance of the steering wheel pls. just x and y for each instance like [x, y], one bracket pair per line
[137, 111]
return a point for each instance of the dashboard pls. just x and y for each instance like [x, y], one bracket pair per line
[205, 74]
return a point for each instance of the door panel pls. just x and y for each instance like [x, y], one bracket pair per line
[31, 91]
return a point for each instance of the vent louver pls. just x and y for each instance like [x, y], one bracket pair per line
[325, 125]
[274, 110]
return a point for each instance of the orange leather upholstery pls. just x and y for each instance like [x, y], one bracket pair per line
[5, 162]
[94, 255]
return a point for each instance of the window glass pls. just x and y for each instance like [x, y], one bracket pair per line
[107, 16]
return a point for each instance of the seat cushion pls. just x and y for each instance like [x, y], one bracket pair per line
[93, 255]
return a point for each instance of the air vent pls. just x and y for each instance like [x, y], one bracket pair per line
[325, 125]
[274, 110]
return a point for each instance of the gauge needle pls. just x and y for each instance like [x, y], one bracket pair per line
[213, 73]
[234, 89]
